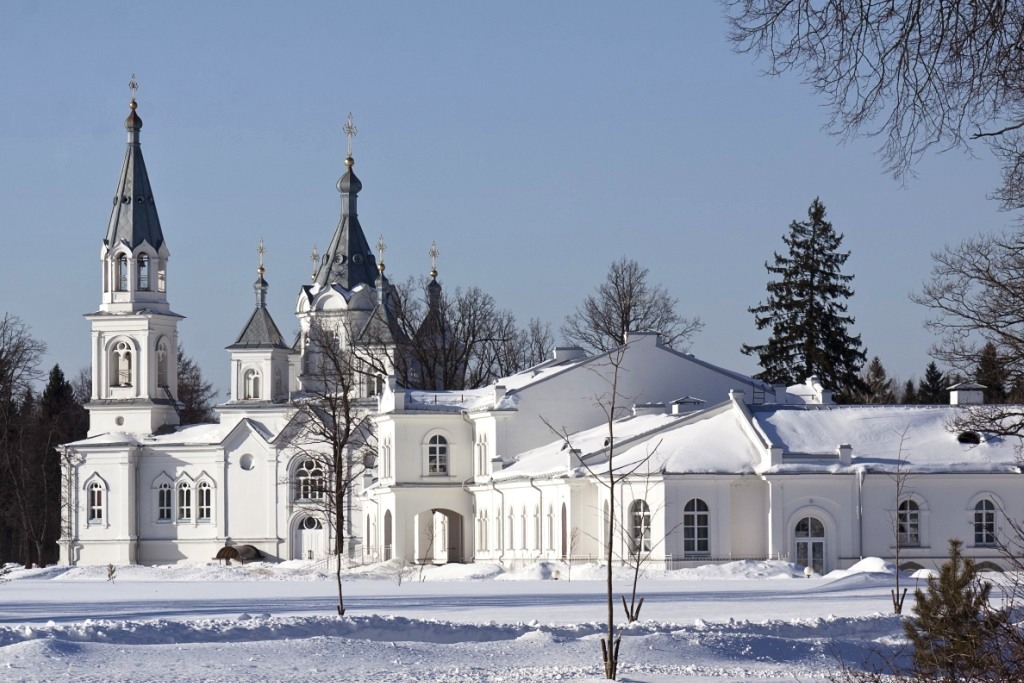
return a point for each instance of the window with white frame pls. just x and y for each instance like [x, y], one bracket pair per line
[121, 365]
[122, 272]
[908, 523]
[96, 501]
[143, 273]
[204, 501]
[163, 359]
[437, 455]
[309, 481]
[184, 502]
[696, 528]
[640, 526]
[164, 502]
[252, 383]
[985, 522]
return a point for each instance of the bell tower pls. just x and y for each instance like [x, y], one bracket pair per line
[134, 332]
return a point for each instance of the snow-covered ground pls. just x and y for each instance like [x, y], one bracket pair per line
[734, 622]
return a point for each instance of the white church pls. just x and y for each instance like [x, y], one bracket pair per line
[710, 465]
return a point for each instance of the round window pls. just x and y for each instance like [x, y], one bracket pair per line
[245, 462]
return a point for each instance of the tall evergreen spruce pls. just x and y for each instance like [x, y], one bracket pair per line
[879, 386]
[909, 393]
[991, 373]
[807, 314]
[932, 389]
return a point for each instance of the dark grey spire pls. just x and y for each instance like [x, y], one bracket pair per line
[260, 332]
[134, 219]
[348, 261]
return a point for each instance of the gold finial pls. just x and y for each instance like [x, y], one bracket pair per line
[261, 250]
[350, 131]
[381, 248]
[433, 254]
[314, 258]
[133, 85]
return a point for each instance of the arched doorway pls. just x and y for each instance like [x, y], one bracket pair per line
[387, 535]
[439, 536]
[309, 539]
[809, 543]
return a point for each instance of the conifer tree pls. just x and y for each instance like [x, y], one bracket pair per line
[194, 392]
[932, 389]
[807, 314]
[910, 396]
[991, 372]
[955, 633]
[878, 386]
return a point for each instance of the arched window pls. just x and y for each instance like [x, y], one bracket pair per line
[252, 383]
[437, 455]
[164, 502]
[696, 528]
[309, 481]
[204, 504]
[810, 544]
[522, 530]
[121, 365]
[639, 527]
[184, 502]
[163, 360]
[122, 273]
[143, 268]
[908, 523]
[96, 502]
[985, 522]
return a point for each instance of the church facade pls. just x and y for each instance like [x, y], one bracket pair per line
[681, 461]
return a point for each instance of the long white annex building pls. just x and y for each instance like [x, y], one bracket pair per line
[710, 465]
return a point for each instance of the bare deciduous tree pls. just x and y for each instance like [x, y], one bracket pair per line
[628, 302]
[334, 436]
[460, 340]
[975, 297]
[919, 75]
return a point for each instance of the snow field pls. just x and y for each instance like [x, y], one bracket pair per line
[733, 622]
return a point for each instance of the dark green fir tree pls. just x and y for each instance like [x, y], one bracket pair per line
[933, 388]
[910, 396]
[956, 634]
[991, 373]
[878, 386]
[806, 312]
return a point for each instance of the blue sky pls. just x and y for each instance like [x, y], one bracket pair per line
[535, 142]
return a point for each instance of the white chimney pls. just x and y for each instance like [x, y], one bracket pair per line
[845, 452]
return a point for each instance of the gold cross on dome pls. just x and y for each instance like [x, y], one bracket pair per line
[260, 249]
[350, 131]
[314, 258]
[133, 85]
[381, 248]
[433, 254]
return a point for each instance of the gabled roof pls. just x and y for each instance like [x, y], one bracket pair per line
[134, 219]
[260, 332]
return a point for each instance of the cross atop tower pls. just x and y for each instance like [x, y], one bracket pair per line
[433, 254]
[350, 131]
[260, 249]
[133, 85]
[381, 248]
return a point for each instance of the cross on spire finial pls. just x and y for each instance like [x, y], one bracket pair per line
[133, 85]
[314, 258]
[350, 131]
[433, 254]
[260, 249]
[381, 248]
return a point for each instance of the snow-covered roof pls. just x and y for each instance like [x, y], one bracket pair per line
[553, 457]
[883, 435]
[709, 442]
[190, 435]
